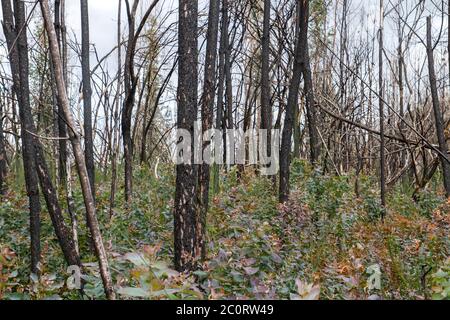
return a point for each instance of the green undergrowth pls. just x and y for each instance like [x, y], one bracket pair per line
[327, 242]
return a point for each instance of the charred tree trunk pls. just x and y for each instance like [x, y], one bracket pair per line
[227, 70]
[207, 105]
[131, 82]
[438, 117]
[3, 167]
[220, 122]
[381, 109]
[87, 93]
[17, 46]
[62, 128]
[34, 159]
[78, 153]
[266, 110]
[130, 92]
[286, 140]
[116, 137]
[311, 111]
[187, 173]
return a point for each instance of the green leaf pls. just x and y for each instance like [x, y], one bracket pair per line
[133, 292]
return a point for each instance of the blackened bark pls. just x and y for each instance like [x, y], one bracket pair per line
[148, 125]
[131, 81]
[78, 153]
[19, 57]
[3, 166]
[130, 93]
[22, 45]
[381, 110]
[187, 174]
[286, 140]
[62, 128]
[438, 117]
[112, 197]
[220, 122]
[87, 93]
[227, 67]
[311, 110]
[266, 110]
[17, 46]
[207, 103]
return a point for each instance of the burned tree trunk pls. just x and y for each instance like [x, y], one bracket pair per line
[130, 92]
[220, 122]
[227, 71]
[34, 160]
[311, 111]
[78, 153]
[207, 104]
[438, 117]
[381, 109]
[19, 68]
[266, 110]
[131, 82]
[3, 166]
[286, 140]
[115, 143]
[87, 93]
[62, 128]
[187, 173]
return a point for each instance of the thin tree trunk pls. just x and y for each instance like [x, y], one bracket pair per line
[3, 167]
[286, 140]
[130, 91]
[78, 153]
[220, 123]
[438, 117]
[62, 128]
[207, 103]
[266, 110]
[311, 111]
[115, 143]
[401, 89]
[227, 67]
[381, 109]
[131, 81]
[87, 93]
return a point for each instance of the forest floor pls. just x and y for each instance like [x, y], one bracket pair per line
[327, 243]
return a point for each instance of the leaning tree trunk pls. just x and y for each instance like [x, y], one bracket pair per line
[187, 173]
[78, 153]
[438, 117]
[207, 103]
